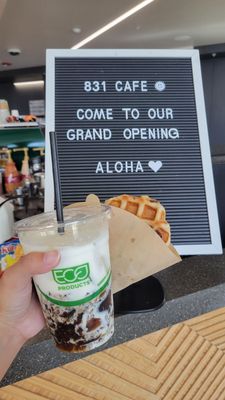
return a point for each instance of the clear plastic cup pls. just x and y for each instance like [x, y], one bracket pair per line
[76, 295]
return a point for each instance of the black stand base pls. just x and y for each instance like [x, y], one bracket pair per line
[143, 296]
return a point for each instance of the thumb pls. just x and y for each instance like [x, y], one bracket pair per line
[20, 274]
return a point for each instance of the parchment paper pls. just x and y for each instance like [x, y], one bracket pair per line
[136, 250]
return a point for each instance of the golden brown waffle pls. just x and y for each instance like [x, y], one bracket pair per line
[146, 208]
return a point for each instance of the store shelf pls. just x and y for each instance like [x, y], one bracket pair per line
[19, 135]
[10, 125]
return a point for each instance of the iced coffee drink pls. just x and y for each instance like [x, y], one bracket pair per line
[76, 295]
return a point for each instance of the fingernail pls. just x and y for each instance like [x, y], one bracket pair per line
[51, 257]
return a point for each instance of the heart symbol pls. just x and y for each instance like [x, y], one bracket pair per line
[155, 165]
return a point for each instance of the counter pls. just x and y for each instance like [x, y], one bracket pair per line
[193, 287]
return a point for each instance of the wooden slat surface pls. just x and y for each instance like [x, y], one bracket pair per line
[183, 362]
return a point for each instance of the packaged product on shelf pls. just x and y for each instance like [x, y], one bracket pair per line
[10, 253]
[25, 171]
[11, 174]
[4, 111]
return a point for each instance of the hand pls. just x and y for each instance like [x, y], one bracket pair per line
[20, 311]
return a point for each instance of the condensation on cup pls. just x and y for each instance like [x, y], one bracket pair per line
[76, 296]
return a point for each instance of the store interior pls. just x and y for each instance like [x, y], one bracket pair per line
[27, 29]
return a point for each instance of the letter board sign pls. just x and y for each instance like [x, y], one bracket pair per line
[133, 121]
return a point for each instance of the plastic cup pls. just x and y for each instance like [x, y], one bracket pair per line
[76, 295]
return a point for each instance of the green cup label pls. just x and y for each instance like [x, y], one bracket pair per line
[83, 300]
[76, 274]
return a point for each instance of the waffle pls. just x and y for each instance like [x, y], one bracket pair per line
[146, 208]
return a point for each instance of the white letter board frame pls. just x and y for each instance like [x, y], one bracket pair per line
[214, 247]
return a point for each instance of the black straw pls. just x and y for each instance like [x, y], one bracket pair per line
[57, 184]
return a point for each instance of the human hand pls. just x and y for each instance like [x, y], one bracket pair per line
[20, 311]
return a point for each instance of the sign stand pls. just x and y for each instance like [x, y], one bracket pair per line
[145, 295]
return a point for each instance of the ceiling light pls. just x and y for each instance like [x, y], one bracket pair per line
[14, 52]
[76, 30]
[182, 38]
[29, 83]
[112, 23]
